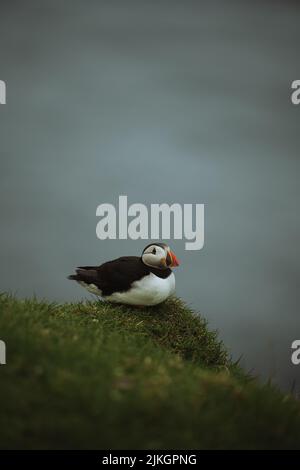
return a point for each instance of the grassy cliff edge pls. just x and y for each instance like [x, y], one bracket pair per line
[94, 375]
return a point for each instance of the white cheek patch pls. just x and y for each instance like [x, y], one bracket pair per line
[157, 260]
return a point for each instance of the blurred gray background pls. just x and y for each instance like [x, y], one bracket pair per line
[166, 102]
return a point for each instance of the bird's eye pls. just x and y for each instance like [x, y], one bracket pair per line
[154, 251]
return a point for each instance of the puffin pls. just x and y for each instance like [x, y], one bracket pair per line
[147, 280]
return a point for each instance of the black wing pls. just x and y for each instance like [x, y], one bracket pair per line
[113, 276]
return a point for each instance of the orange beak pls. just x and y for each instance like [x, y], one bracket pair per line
[173, 260]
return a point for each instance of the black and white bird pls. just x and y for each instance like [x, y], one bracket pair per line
[146, 280]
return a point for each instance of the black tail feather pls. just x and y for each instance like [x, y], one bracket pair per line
[87, 274]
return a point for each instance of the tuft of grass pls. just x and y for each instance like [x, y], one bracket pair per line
[94, 375]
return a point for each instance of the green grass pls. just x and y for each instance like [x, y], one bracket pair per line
[92, 375]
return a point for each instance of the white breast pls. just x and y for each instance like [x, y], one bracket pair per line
[150, 290]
